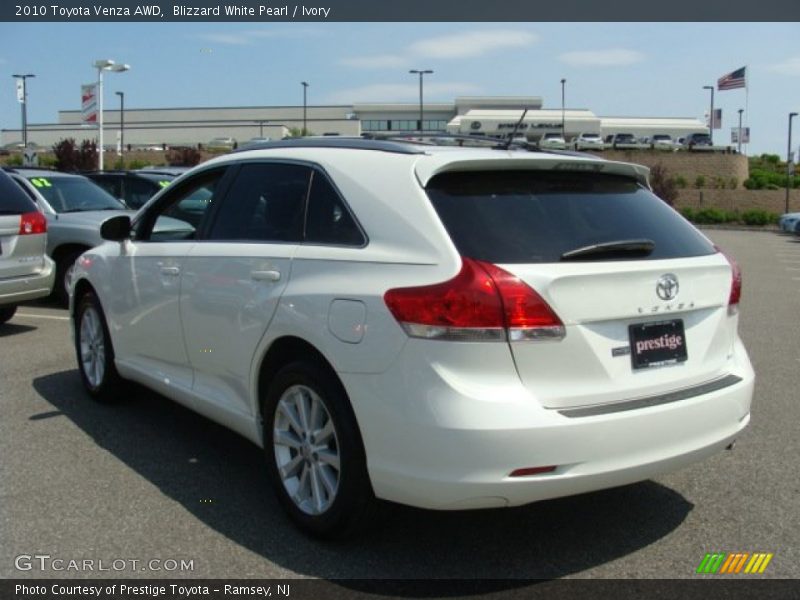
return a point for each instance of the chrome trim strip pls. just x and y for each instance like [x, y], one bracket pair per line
[690, 392]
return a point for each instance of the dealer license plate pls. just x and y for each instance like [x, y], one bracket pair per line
[657, 344]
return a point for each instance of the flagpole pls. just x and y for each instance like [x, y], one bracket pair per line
[746, 107]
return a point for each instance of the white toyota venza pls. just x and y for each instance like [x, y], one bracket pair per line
[443, 327]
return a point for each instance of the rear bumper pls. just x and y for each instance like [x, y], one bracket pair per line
[453, 444]
[28, 287]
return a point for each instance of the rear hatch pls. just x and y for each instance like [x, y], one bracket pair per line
[22, 237]
[642, 295]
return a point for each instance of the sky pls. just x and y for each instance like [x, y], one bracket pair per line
[613, 69]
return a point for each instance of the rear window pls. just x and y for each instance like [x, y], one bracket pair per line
[13, 200]
[538, 216]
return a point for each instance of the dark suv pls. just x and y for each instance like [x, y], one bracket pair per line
[697, 139]
[132, 187]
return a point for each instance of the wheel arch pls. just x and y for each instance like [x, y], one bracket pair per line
[286, 350]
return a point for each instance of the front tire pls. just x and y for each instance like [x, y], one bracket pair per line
[94, 351]
[315, 455]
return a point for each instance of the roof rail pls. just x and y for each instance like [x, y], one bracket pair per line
[335, 142]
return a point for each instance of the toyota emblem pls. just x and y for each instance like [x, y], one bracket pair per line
[667, 286]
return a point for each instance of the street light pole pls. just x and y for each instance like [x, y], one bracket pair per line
[563, 120]
[789, 170]
[305, 89]
[711, 114]
[421, 73]
[24, 107]
[739, 138]
[104, 65]
[121, 122]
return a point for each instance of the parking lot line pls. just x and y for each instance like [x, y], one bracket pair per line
[33, 316]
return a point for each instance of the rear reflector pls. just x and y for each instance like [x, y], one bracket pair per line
[736, 282]
[32, 222]
[482, 303]
[531, 471]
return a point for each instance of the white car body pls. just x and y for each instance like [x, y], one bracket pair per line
[444, 423]
[553, 141]
[589, 141]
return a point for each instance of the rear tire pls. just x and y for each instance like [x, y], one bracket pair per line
[6, 312]
[315, 455]
[94, 351]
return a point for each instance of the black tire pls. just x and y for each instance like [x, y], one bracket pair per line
[354, 505]
[63, 264]
[106, 387]
[6, 312]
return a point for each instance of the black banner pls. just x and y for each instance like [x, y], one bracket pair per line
[398, 11]
[734, 588]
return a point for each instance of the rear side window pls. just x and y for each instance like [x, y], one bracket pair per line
[266, 203]
[13, 200]
[539, 216]
[329, 221]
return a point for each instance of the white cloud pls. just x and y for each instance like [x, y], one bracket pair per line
[472, 43]
[791, 66]
[247, 37]
[468, 44]
[614, 57]
[401, 92]
[378, 61]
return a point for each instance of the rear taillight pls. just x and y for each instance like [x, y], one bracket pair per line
[736, 282]
[32, 222]
[482, 303]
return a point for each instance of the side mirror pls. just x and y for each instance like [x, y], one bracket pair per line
[116, 229]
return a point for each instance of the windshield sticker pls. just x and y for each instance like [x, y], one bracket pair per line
[41, 182]
[163, 184]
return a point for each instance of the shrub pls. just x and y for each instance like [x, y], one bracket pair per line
[138, 163]
[688, 213]
[663, 186]
[680, 181]
[15, 160]
[758, 217]
[714, 216]
[700, 182]
[47, 161]
[70, 157]
[733, 183]
[183, 156]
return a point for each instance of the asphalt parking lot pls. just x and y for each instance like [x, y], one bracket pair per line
[147, 479]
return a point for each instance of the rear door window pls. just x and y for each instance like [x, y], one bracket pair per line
[539, 216]
[266, 202]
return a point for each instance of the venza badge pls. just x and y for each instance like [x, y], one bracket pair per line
[667, 286]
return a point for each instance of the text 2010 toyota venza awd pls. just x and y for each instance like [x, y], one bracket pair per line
[438, 326]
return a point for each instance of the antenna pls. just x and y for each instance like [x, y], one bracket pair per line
[516, 127]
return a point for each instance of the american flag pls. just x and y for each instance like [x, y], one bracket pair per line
[732, 81]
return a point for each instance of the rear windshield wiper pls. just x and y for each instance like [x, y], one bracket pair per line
[616, 249]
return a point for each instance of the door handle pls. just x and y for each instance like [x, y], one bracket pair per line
[265, 275]
[172, 271]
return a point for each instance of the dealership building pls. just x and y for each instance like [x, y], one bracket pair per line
[486, 115]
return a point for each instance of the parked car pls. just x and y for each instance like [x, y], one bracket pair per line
[697, 140]
[74, 207]
[625, 140]
[134, 188]
[553, 141]
[26, 273]
[443, 327]
[588, 141]
[221, 143]
[662, 141]
[255, 141]
[788, 221]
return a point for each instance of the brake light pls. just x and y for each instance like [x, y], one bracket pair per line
[32, 222]
[736, 282]
[482, 303]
